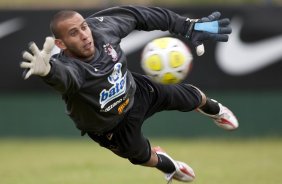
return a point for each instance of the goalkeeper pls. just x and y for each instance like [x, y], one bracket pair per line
[108, 102]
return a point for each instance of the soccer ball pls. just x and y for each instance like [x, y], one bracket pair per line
[166, 60]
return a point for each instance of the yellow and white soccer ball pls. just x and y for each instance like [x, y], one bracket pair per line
[166, 60]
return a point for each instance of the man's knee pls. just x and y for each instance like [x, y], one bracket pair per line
[142, 156]
[203, 96]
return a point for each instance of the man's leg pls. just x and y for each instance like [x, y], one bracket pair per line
[186, 97]
[155, 98]
[173, 169]
[220, 114]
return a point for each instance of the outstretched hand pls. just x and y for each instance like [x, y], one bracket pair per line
[38, 61]
[208, 28]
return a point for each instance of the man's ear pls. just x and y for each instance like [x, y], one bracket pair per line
[59, 43]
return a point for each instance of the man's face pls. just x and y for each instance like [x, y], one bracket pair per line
[76, 38]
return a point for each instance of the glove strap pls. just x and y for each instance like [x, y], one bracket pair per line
[211, 27]
[190, 27]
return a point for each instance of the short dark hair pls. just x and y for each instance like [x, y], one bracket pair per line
[58, 17]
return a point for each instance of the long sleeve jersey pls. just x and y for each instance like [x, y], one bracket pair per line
[98, 93]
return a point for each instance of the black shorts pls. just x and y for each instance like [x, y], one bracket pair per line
[127, 140]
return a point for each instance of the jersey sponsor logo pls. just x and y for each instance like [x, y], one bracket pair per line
[122, 106]
[112, 106]
[108, 48]
[118, 86]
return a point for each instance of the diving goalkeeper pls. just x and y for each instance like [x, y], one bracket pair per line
[107, 101]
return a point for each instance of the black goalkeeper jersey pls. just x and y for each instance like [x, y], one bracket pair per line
[98, 93]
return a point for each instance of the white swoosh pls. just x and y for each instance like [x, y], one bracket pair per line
[238, 58]
[138, 39]
[10, 26]
[133, 42]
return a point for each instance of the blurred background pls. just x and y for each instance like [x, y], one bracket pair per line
[40, 144]
[244, 74]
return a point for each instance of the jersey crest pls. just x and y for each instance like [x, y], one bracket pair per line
[108, 48]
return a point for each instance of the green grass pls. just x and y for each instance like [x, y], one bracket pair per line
[72, 161]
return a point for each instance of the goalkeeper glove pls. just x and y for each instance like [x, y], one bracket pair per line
[37, 63]
[207, 28]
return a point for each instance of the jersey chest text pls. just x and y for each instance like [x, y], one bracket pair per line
[118, 86]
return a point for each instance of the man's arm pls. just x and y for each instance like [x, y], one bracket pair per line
[62, 77]
[128, 18]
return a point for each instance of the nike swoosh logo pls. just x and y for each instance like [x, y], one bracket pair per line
[138, 39]
[238, 58]
[10, 26]
[101, 19]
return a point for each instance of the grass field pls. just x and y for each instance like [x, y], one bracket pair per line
[73, 161]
